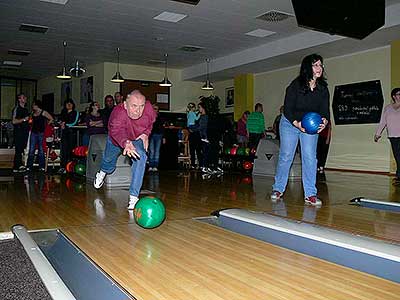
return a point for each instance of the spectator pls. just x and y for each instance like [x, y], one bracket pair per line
[255, 125]
[242, 134]
[20, 118]
[40, 118]
[391, 120]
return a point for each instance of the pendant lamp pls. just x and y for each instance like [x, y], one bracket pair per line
[207, 85]
[165, 81]
[117, 78]
[64, 73]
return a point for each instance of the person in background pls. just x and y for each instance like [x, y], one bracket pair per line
[40, 118]
[129, 128]
[242, 134]
[156, 138]
[308, 92]
[391, 121]
[20, 118]
[324, 140]
[194, 135]
[69, 117]
[255, 126]
[119, 98]
[94, 122]
[107, 110]
[10, 134]
[275, 126]
[205, 144]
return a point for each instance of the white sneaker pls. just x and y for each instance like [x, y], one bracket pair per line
[132, 202]
[155, 169]
[99, 179]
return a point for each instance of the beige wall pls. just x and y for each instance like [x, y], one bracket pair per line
[182, 92]
[352, 146]
[53, 85]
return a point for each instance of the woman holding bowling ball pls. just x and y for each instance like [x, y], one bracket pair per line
[307, 93]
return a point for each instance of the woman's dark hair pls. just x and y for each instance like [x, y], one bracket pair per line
[91, 106]
[38, 103]
[204, 107]
[306, 71]
[210, 104]
[394, 92]
[65, 105]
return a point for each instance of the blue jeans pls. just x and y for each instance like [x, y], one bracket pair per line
[36, 139]
[109, 163]
[290, 136]
[154, 150]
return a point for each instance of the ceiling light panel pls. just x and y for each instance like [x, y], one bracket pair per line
[12, 63]
[260, 33]
[62, 2]
[191, 48]
[33, 28]
[169, 17]
[18, 52]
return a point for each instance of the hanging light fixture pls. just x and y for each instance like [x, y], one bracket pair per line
[117, 78]
[77, 70]
[165, 81]
[208, 85]
[64, 73]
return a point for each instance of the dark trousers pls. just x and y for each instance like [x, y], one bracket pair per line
[213, 155]
[254, 139]
[322, 151]
[68, 142]
[195, 148]
[395, 142]
[20, 140]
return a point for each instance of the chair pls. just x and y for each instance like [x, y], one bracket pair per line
[184, 156]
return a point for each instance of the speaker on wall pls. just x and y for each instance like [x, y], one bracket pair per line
[350, 18]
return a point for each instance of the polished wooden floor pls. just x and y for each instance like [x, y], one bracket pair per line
[187, 259]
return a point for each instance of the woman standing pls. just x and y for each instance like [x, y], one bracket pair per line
[40, 118]
[391, 120]
[155, 140]
[307, 93]
[94, 122]
[69, 118]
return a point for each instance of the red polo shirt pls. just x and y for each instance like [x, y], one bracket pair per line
[122, 128]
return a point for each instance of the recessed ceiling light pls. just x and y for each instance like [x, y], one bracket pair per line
[158, 38]
[169, 17]
[63, 2]
[12, 63]
[260, 33]
[33, 28]
[191, 48]
[19, 52]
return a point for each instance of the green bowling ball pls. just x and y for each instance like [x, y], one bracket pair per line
[228, 151]
[241, 151]
[80, 169]
[149, 212]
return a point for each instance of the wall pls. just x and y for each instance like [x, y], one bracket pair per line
[352, 146]
[182, 92]
[53, 85]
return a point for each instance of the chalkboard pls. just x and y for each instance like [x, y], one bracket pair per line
[358, 103]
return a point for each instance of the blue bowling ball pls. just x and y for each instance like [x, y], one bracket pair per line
[311, 122]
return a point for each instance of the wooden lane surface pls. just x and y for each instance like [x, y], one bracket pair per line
[48, 201]
[186, 259]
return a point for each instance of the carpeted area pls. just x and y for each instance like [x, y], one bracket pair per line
[18, 277]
